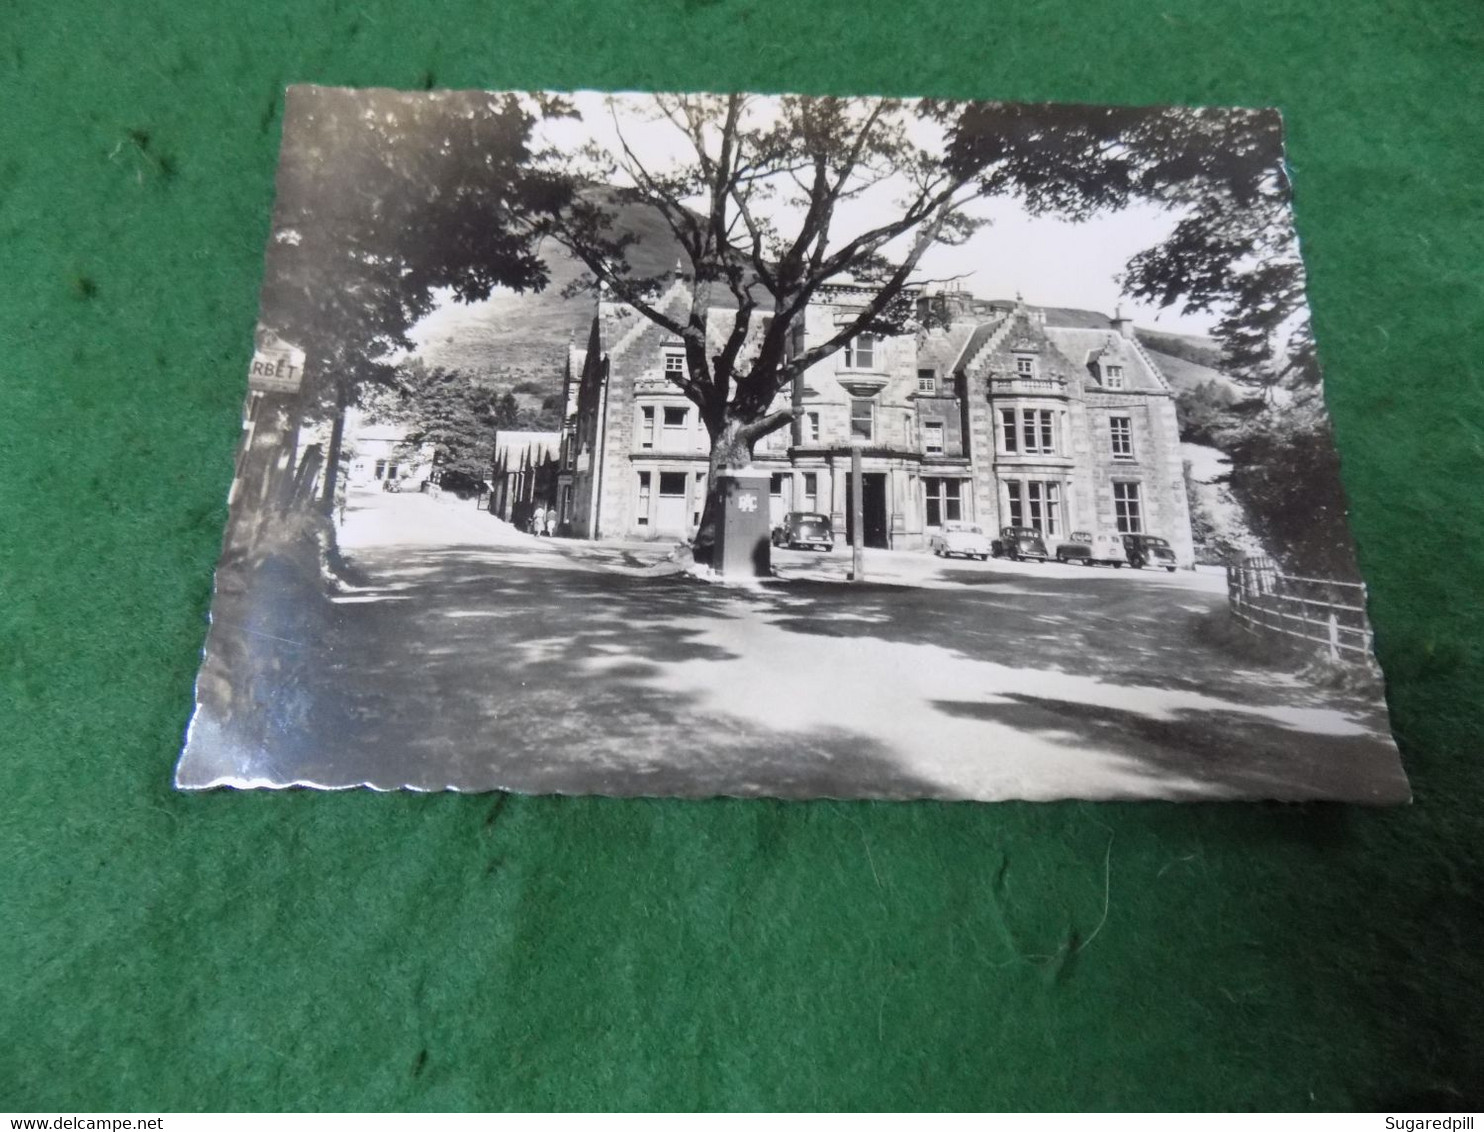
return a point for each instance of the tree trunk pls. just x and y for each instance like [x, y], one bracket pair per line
[332, 455]
[731, 450]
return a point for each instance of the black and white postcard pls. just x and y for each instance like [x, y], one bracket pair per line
[695, 445]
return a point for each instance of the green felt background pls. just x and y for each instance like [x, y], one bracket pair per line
[163, 952]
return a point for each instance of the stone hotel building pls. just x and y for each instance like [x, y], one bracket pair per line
[1004, 417]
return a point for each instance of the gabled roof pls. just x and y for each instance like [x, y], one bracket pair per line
[1083, 346]
[516, 448]
[982, 334]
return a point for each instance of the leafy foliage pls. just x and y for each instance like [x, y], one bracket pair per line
[1286, 474]
[1234, 251]
[459, 415]
[384, 198]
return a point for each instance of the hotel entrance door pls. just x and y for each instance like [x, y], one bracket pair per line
[873, 511]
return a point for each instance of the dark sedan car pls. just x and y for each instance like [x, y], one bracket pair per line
[1020, 544]
[806, 530]
[1149, 550]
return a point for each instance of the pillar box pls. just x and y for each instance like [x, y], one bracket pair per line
[742, 536]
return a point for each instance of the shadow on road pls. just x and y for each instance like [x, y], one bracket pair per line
[517, 664]
[1230, 753]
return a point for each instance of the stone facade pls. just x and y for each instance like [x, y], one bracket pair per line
[998, 419]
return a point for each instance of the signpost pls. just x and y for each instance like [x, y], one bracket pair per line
[265, 479]
[276, 368]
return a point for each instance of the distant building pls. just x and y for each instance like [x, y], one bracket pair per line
[524, 474]
[375, 452]
[1003, 418]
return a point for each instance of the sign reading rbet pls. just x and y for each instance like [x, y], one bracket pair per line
[276, 371]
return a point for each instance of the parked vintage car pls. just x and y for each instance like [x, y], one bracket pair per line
[805, 529]
[967, 539]
[1148, 550]
[1088, 549]
[1020, 544]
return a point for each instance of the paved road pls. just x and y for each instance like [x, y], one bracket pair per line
[471, 655]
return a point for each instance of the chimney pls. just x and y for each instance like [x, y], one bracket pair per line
[1124, 326]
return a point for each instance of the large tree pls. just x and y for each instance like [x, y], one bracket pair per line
[387, 201]
[772, 199]
[1234, 253]
[454, 413]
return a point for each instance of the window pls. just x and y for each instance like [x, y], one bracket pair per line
[932, 438]
[811, 492]
[1113, 377]
[672, 484]
[927, 381]
[676, 425]
[646, 427]
[775, 485]
[1037, 431]
[674, 362]
[642, 513]
[380, 469]
[1126, 508]
[1122, 431]
[943, 499]
[1007, 429]
[1043, 506]
[1025, 366]
[860, 352]
[700, 499]
[1035, 503]
[811, 428]
[862, 419]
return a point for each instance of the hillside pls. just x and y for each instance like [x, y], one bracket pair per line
[1187, 377]
[1198, 349]
[510, 337]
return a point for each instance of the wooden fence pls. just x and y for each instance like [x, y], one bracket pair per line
[1327, 613]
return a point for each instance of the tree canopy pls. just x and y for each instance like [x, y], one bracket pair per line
[385, 201]
[382, 199]
[459, 416]
[763, 203]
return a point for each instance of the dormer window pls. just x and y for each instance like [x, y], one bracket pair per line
[1025, 366]
[674, 363]
[860, 352]
[1113, 377]
[927, 381]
